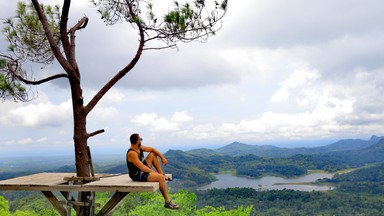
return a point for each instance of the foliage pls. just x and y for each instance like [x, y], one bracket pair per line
[195, 20]
[4, 206]
[364, 180]
[290, 202]
[27, 210]
[27, 42]
[26, 35]
[221, 211]
[34, 202]
[154, 205]
[9, 88]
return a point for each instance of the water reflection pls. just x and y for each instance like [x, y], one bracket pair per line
[270, 182]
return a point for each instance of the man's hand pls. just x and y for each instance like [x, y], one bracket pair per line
[164, 161]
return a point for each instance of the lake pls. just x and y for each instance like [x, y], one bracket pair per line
[270, 182]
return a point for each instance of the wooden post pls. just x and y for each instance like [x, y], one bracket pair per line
[90, 162]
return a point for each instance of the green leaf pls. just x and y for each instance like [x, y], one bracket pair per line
[3, 63]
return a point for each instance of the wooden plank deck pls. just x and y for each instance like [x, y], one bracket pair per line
[56, 182]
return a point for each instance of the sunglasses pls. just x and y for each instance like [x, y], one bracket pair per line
[141, 139]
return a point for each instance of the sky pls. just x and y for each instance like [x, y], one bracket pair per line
[286, 73]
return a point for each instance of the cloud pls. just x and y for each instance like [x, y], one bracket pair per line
[181, 117]
[155, 123]
[42, 140]
[40, 114]
[299, 78]
[25, 141]
[277, 24]
[112, 97]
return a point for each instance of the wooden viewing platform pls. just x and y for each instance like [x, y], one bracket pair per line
[66, 183]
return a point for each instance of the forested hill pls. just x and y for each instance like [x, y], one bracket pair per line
[195, 168]
[270, 151]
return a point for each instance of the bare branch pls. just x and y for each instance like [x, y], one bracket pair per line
[72, 58]
[15, 68]
[132, 13]
[95, 133]
[162, 47]
[48, 31]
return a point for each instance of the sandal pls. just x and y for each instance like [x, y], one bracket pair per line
[167, 178]
[171, 205]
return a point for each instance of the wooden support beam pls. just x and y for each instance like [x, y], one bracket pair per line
[68, 197]
[90, 162]
[55, 202]
[112, 204]
[85, 179]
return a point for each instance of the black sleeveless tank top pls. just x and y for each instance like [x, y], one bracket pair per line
[132, 169]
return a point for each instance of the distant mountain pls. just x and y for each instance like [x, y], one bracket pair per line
[371, 154]
[238, 149]
[203, 152]
[349, 144]
[270, 151]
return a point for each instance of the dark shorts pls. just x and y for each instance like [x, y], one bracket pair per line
[141, 176]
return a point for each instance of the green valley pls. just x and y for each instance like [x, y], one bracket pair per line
[357, 192]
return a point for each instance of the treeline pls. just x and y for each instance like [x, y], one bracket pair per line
[290, 202]
[368, 180]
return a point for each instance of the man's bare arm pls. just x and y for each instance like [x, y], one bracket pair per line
[132, 157]
[156, 152]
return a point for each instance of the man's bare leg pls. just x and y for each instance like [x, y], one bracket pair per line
[157, 177]
[152, 159]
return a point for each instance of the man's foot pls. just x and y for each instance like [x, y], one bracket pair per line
[171, 205]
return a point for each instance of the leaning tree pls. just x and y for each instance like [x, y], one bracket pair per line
[41, 34]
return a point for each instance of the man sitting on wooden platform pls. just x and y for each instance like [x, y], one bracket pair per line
[141, 170]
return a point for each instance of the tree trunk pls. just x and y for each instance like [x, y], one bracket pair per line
[80, 139]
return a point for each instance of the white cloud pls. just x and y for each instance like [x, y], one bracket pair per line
[112, 97]
[300, 78]
[281, 95]
[142, 98]
[25, 141]
[156, 123]
[42, 139]
[180, 117]
[39, 114]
